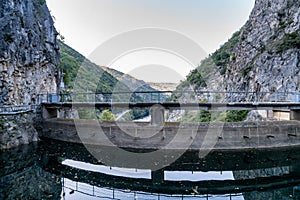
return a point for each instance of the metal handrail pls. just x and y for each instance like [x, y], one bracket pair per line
[187, 96]
[162, 96]
[17, 109]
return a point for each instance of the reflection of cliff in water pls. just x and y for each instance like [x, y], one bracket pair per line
[40, 171]
[21, 175]
[276, 192]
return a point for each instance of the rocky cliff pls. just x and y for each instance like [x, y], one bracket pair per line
[28, 52]
[267, 55]
[283, 193]
[263, 56]
[29, 58]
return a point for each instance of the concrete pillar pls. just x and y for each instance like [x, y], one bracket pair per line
[157, 113]
[295, 169]
[49, 113]
[295, 115]
[158, 176]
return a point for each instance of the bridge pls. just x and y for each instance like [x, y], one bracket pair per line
[284, 104]
[58, 109]
[161, 97]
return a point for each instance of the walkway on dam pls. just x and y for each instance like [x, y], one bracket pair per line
[187, 100]
[158, 101]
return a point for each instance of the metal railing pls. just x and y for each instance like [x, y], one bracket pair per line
[107, 97]
[17, 109]
[89, 190]
[170, 96]
[158, 97]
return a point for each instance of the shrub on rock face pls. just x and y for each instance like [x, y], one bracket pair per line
[236, 115]
[289, 41]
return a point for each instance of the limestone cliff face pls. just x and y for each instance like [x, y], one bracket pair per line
[263, 56]
[28, 64]
[267, 55]
[29, 54]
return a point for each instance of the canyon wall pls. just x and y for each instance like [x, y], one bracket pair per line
[29, 54]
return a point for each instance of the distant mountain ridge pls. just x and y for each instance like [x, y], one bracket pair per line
[131, 82]
[163, 86]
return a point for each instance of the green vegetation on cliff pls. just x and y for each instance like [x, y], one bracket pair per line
[289, 41]
[224, 55]
[218, 60]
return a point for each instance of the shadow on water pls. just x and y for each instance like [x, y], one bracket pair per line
[59, 170]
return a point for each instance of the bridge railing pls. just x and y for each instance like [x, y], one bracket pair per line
[170, 96]
[108, 97]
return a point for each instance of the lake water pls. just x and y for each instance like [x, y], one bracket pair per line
[58, 170]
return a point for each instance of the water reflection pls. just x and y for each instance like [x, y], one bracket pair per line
[197, 176]
[57, 170]
[113, 171]
[77, 190]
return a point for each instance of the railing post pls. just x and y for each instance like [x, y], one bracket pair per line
[75, 97]
[208, 97]
[151, 97]
[158, 97]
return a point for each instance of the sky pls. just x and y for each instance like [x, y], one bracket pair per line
[90, 25]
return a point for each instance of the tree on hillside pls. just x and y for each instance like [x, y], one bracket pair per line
[107, 115]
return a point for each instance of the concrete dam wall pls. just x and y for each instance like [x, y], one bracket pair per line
[242, 135]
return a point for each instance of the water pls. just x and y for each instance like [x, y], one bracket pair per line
[58, 170]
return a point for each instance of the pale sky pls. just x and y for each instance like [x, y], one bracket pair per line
[87, 24]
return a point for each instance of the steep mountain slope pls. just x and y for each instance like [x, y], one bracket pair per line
[110, 80]
[70, 63]
[263, 56]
